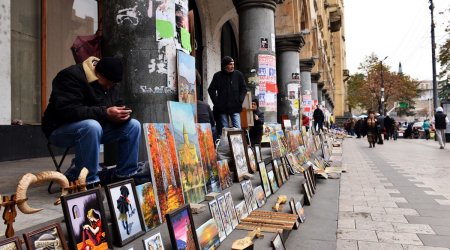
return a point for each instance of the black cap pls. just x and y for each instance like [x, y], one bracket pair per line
[226, 60]
[111, 68]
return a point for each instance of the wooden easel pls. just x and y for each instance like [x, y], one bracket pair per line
[9, 214]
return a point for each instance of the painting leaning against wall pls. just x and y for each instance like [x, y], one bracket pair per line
[208, 157]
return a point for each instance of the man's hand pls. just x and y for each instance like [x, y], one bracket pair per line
[256, 117]
[118, 114]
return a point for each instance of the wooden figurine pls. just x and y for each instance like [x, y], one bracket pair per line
[282, 199]
[247, 242]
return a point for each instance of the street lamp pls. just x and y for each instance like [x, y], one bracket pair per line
[382, 87]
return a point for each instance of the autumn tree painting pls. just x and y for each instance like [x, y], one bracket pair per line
[148, 205]
[208, 157]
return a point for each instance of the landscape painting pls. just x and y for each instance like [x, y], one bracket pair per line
[186, 79]
[162, 155]
[208, 235]
[188, 150]
[149, 206]
[208, 157]
[226, 180]
[264, 179]
[181, 229]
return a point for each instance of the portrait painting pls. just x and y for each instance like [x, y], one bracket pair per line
[215, 213]
[264, 179]
[208, 157]
[238, 147]
[125, 211]
[154, 242]
[208, 235]
[260, 196]
[277, 243]
[48, 237]
[12, 243]
[181, 229]
[149, 205]
[86, 221]
[226, 180]
[164, 168]
[188, 150]
[226, 219]
[231, 211]
[241, 210]
[272, 181]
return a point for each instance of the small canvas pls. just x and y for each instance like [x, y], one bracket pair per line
[238, 149]
[258, 152]
[276, 170]
[226, 180]
[280, 167]
[282, 142]
[226, 220]
[48, 237]
[241, 210]
[147, 201]
[274, 144]
[300, 211]
[154, 242]
[272, 181]
[285, 167]
[231, 210]
[264, 179]
[187, 91]
[208, 157]
[215, 214]
[294, 211]
[251, 159]
[182, 229]
[259, 196]
[277, 243]
[208, 235]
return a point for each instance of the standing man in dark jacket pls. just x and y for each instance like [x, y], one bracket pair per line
[440, 122]
[256, 131]
[318, 117]
[85, 110]
[227, 91]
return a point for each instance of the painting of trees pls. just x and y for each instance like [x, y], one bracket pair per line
[148, 205]
[208, 157]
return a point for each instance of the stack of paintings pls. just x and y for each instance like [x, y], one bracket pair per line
[208, 157]
[165, 171]
[188, 149]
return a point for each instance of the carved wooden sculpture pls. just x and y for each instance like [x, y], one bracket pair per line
[247, 242]
[282, 199]
[9, 214]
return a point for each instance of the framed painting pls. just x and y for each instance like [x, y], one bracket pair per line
[241, 210]
[313, 177]
[181, 229]
[126, 215]
[258, 152]
[164, 168]
[48, 237]
[215, 213]
[272, 181]
[226, 180]
[231, 211]
[12, 243]
[149, 205]
[264, 179]
[188, 150]
[277, 243]
[309, 181]
[238, 145]
[307, 193]
[276, 170]
[285, 167]
[251, 159]
[282, 142]
[249, 197]
[295, 166]
[226, 220]
[187, 91]
[208, 157]
[281, 168]
[260, 196]
[154, 242]
[300, 211]
[86, 221]
[208, 235]
[294, 211]
[274, 144]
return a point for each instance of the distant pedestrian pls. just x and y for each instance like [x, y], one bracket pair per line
[380, 127]
[256, 132]
[305, 121]
[371, 129]
[426, 128]
[331, 121]
[440, 122]
[319, 118]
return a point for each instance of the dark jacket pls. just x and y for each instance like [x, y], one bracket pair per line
[439, 120]
[74, 99]
[204, 113]
[227, 91]
[318, 115]
[256, 132]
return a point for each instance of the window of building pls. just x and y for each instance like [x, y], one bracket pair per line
[228, 43]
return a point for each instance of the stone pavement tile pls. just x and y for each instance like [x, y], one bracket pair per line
[374, 225]
[441, 230]
[443, 202]
[364, 245]
[346, 223]
[352, 215]
[347, 208]
[311, 245]
[368, 209]
[412, 247]
[352, 202]
[427, 205]
[389, 217]
[399, 199]
[352, 234]
[434, 213]
[346, 245]
[399, 238]
[404, 211]
[429, 192]
[435, 240]
[427, 220]
[381, 204]
[413, 228]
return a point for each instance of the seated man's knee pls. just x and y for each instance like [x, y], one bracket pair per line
[92, 127]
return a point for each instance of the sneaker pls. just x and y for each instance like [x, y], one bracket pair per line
[441, 147]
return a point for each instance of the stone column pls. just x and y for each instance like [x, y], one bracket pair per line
[306, 66]
[288, 73]
[314, 86]
[320, 85]
[5, 62]
[256, 22]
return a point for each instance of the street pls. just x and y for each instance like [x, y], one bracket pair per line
[394, 196]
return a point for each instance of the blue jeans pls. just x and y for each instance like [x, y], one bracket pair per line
[235, 120]
[87, 135]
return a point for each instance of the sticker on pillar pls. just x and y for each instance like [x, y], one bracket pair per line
[264, 44]
[165, 19]
[128, 15]
[295, 76]
[272, 36]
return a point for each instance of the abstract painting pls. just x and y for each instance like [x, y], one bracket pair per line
[238, 147]
[208, 157]
[264, 179]
[48, 237]
[188, 149]
[162, 155]
[154, 242]
[208, 235]
[186, 80]
[215, 214]
[181, 229]
[224, 174]
[149, 207]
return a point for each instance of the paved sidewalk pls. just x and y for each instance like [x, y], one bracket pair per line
[395, 196]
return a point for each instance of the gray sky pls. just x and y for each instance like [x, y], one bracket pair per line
[399, 29]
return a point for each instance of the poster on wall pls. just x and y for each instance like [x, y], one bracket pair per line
[182, 24]
[293, 89]
[267, 82]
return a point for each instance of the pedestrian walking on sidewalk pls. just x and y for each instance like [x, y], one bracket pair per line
[380, 126]
[426, 128]
[370, 128]
[440, 122]
[319, 118]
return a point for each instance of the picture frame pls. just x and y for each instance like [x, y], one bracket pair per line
[215, 213]
[226, 220]
[307, 194]
[154, 242]
[231, 210]
[281, 168]
[272, 181]
[84, 212]
[249, 197]
[11, 243]
[277, 242]
[252, 163]
[285, 167]
[260, 196]
[264, 179]
[226, 180]
[309, 181]
[208, 235]
[300, 211]
[238, 146]
[294, 211]
[313, 177]
[46, 237]
[182, 229]
[241, 210]
[126, 214]
[257, 148]
[276, 170]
